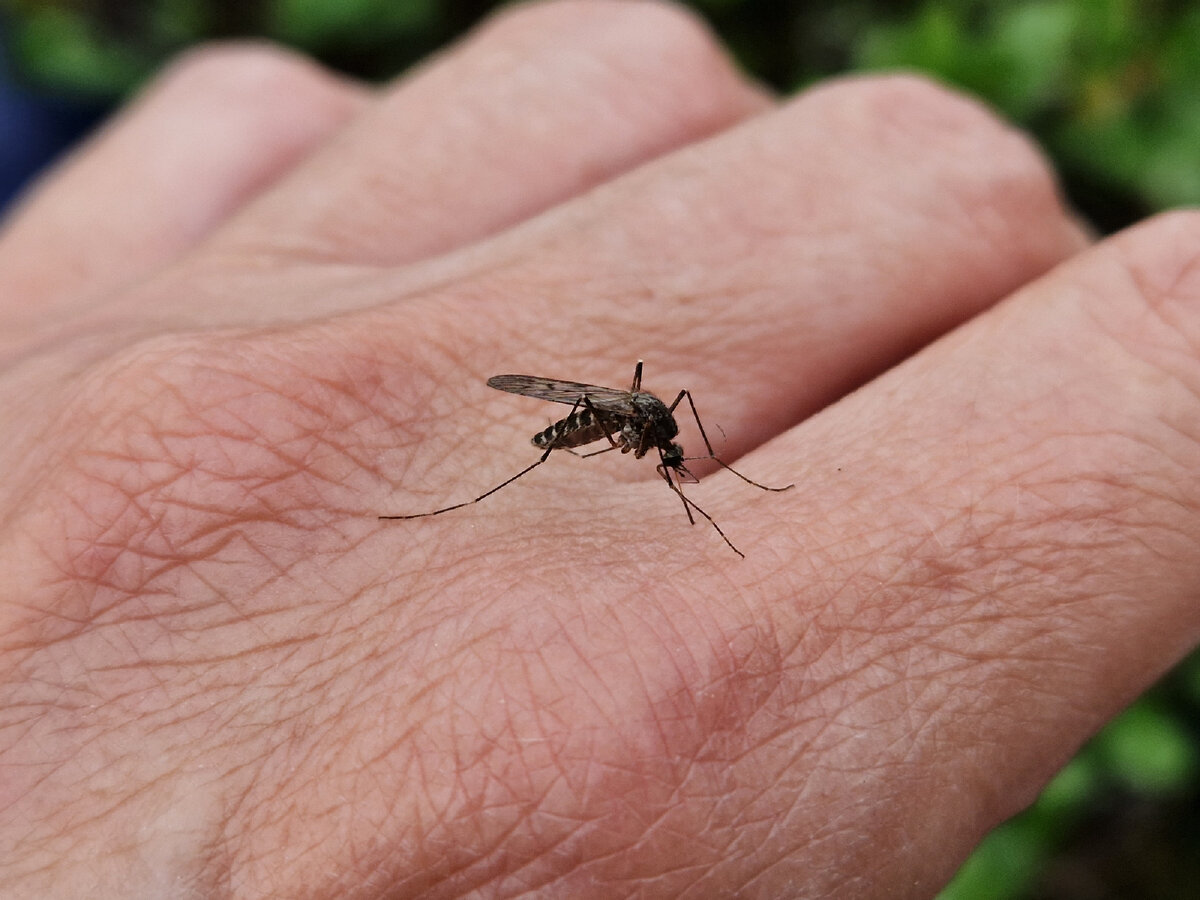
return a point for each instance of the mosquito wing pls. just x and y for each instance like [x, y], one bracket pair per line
[569, 392]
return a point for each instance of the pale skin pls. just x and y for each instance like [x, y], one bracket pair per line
[260, 309]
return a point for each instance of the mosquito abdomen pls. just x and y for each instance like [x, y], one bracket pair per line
[575, 430]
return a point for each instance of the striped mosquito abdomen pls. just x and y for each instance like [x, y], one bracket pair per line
[577, 429]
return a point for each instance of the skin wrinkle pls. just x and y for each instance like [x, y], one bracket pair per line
[915, 628]
[526, 876]
[920, 581]
[96, 769]
[437, 869]
[755, 854]
[222, 461]
[479, 861]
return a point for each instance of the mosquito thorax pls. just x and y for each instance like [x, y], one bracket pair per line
[649, 405]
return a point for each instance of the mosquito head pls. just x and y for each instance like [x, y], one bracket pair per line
[672, 458]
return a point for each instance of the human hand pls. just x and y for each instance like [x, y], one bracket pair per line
[260, 311]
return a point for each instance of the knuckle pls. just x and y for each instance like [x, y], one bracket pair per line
[640, 42]
[1160, 259]
[981, 177]
[250, 73]
[911, 115]
[903, 105]
[669, 37]
[1162, 256]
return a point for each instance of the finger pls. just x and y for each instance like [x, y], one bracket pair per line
[544, 102]
[769, 270]
[1009, 524]
[213, 130]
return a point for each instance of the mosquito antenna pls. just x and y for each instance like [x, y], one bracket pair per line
[725, 465]
[711, 453]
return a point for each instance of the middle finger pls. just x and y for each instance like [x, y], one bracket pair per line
[770, 269]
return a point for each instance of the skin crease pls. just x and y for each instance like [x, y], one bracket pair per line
[224, 357]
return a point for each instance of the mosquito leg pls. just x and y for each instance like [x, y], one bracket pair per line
[637, 378]
[689, 505]
[665, 471]
[612, 445]
[708, 445]
[525, 471]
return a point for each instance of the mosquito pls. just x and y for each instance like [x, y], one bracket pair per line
[632, 421]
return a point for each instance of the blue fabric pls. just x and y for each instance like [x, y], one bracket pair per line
[35, 128]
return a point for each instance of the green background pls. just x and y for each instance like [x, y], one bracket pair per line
[1110, 88]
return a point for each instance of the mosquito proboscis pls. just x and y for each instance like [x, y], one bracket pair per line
[632, 421]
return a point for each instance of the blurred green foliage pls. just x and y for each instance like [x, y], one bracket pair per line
[1111, 89]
